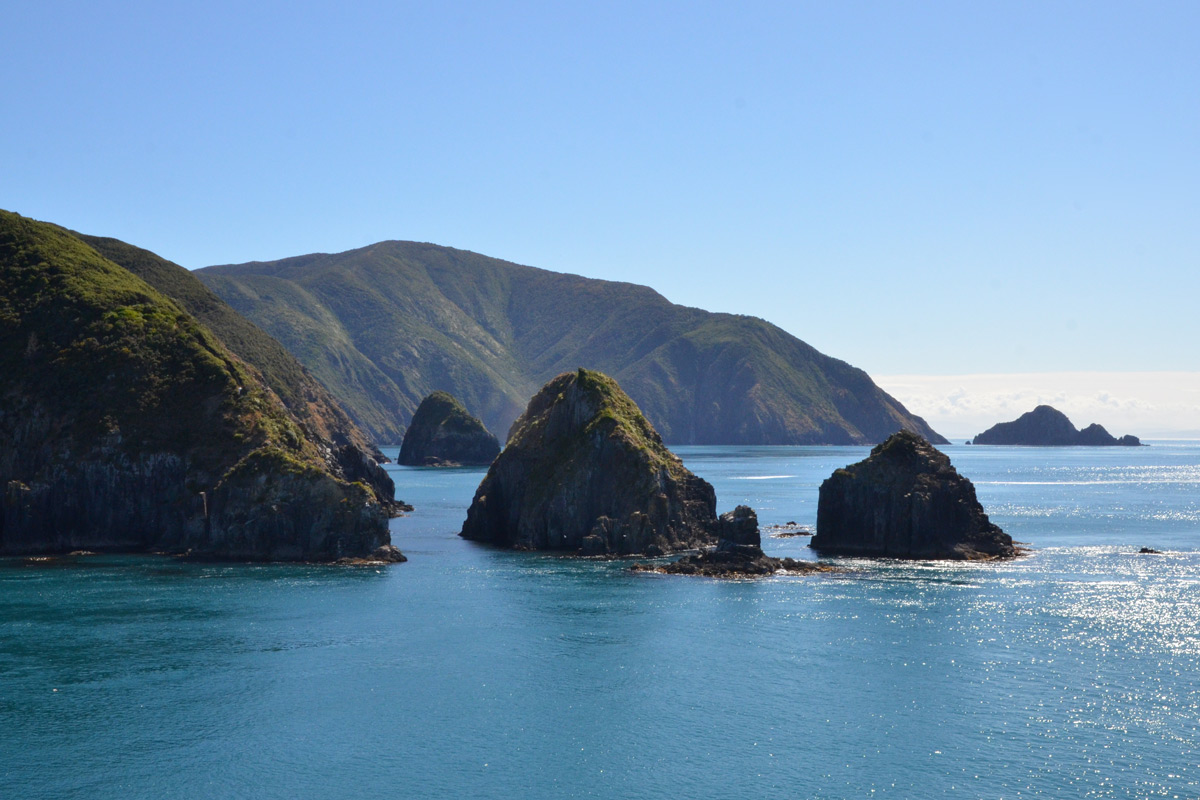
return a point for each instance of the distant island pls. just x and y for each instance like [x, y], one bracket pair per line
[1048, 427]
[444, 434]
[385, 325]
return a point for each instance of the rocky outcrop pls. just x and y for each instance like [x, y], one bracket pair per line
[1048, 427]
[347, 452]
[125, 425]
[444, 434]
[584, 471]
[905, 501]
[738, 554]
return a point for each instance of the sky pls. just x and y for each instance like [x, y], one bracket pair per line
[920, 189]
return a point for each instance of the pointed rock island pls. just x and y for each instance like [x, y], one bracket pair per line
[905, 501]
[1046, 426]
[444, 434]
[584, 471]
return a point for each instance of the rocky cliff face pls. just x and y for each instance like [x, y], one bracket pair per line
[905, 501]
[126, 426]
[584, 471]
[1048, 427]
[443, 433]
[345, 449]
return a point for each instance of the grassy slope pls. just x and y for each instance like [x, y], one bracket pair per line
[100, 350]
[303, 395]
[385, 325]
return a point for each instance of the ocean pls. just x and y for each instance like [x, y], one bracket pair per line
[477, 672]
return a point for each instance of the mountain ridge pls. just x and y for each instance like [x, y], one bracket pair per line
[384, 325]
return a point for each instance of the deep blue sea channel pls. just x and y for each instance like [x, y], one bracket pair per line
[472, 672]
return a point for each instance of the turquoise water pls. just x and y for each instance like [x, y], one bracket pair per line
[475, 672]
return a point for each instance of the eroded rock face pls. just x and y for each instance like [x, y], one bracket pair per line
[905, 501]
[444, 434]
[584, 471]
[1046, 426]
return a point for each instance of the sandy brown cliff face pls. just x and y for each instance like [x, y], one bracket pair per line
[583, 471]
[126, 426]
[905, 501]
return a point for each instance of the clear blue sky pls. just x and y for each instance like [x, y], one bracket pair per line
[917, 188]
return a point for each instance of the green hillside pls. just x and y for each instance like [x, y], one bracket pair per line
[126, 424]
[349, 450]
[385, 325]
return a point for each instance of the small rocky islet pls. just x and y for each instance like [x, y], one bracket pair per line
[1046, 426]
[583, 471]
[906, 501]
[444, 434]
[738, 554]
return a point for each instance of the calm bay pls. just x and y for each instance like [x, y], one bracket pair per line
[476, 672]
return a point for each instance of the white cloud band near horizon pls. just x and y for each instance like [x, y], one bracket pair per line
[1151, 405]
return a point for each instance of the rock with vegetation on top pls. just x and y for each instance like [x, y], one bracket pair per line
[583, 471]
[1048, 427]
[346, 450]
[126, 425]
[738, 553]
[443, 434]
[905, 501]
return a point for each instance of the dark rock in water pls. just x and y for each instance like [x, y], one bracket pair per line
[444, 434]
[584, 471]
[738, 554]
[905, 501]
[720, 564]
[1049, 427]
[1150, 551]
[738, 528]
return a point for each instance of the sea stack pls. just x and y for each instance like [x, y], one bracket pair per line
[905, 501]
[1046, 426]
[584, 471]
[444, 434]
